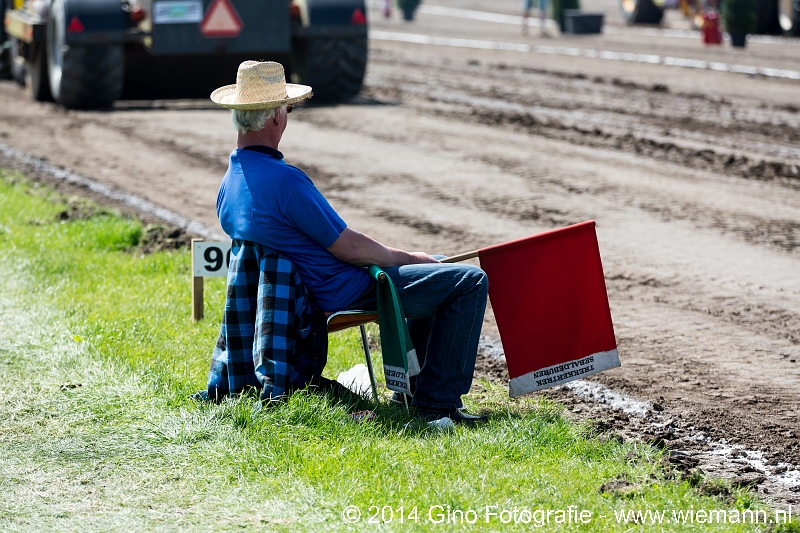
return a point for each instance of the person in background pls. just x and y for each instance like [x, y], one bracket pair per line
[527, 5]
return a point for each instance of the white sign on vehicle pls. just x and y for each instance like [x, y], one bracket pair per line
[210, 258]
[178, 12]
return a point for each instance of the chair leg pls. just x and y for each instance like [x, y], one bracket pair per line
[365, 342]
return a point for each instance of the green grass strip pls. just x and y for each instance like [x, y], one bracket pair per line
[98, 356]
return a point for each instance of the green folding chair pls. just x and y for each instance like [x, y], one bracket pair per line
[399, 357]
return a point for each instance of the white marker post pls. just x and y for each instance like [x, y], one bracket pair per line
[209, 258]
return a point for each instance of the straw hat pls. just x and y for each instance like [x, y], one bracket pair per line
[260, 86]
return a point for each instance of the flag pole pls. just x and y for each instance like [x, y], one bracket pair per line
[460, 257]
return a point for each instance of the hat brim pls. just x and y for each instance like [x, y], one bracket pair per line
[226, 97]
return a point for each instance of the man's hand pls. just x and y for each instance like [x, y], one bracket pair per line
[422, 257]
[362, 250]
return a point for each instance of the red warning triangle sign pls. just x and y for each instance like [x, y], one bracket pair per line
[75, 25]
[221, 20]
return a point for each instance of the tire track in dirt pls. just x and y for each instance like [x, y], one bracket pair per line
[513, 208]
[776, 233]
[518, 82]
[78, 130]
[780, 233]
[608, 125]
[743, 166]
[339, 188]
[661, 104]
[682, 374]
[773, 232]
[748, 314]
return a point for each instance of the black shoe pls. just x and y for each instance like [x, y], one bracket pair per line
[460, 417]
[455, 416]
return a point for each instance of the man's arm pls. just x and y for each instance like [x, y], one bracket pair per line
[362, 250]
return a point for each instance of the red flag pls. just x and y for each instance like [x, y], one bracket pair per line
[549, 298]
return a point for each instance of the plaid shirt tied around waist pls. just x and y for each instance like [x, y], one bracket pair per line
[273, 337]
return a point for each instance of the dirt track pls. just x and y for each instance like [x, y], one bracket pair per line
[692, 174]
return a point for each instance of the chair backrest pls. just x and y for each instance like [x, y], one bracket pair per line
[399, 357]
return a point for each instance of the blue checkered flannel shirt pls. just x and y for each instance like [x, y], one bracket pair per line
[272, 336]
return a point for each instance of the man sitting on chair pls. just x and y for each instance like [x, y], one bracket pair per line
[265, 200]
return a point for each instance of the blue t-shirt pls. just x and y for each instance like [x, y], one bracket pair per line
[265, 200]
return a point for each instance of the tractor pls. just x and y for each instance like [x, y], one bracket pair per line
[86, 54]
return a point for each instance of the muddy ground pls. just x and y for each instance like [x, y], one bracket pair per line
[692, 174]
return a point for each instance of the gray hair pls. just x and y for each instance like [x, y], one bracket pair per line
[253, 119]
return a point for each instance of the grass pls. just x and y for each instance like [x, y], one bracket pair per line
[98, 355]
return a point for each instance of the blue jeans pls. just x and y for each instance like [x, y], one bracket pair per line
[444, 304]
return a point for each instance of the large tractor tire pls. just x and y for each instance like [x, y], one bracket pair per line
[333, 66]
[641, 12]
[789, 16]
[36, 74]
[81, 76]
